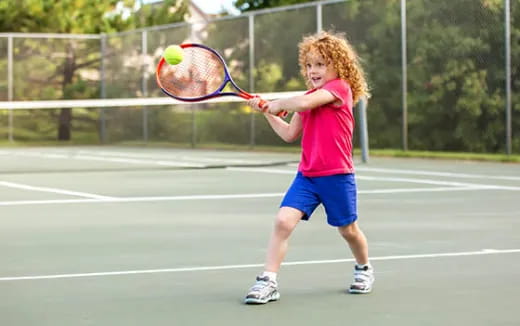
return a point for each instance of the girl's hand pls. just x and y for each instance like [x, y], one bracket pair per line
[267, 107]
[255, 104]
[273, 107]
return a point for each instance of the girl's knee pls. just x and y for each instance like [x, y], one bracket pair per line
[349, 231]
[284, 224]
[286, 219]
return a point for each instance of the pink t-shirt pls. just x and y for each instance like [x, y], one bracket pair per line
[327, 134]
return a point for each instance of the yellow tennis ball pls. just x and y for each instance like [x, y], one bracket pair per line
[173, 54]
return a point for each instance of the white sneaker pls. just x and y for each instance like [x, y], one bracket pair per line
[263, 291]
[363, 279]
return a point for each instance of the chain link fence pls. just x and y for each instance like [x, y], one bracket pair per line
[438, 71]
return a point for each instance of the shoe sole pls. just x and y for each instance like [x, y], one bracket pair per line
[355, 291]
[274, 297]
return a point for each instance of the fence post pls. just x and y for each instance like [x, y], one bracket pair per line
[10, 84]
[507, 18]
[103, 92]
[319, 17]
[404, 76]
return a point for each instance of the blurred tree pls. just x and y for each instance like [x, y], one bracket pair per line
[456, 75]
[456, 94]
[455, 58]
[79, 17]
[86, 16]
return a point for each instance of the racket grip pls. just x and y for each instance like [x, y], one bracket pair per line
[262, 104]
[281, 114]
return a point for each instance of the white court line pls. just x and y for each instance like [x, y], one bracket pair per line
[439, 174]
[203, 197]
[245, 266]
[133, 158]
[182, 157]
[52, 190]
[82, 157]
[265, 170]
[361, 177]
[453, 186]
[433, 173]
[436, 182]
[137, 199]
[414, 190]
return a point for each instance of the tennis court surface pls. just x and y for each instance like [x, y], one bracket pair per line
[146, 236]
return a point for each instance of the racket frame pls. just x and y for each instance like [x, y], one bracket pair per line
[227, 79]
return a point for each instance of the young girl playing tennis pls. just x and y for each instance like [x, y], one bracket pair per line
[324, 119]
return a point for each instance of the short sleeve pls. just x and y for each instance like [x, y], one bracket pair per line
[340, 89]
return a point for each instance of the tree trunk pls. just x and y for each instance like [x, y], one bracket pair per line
[65, 118]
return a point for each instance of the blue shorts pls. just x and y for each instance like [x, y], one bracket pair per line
[337, 193]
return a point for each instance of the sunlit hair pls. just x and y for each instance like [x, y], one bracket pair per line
[335, 50]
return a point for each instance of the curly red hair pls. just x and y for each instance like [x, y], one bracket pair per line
[336, 50]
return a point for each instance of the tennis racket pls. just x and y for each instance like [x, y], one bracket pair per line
[201, 75]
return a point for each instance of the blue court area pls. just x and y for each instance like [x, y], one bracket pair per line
[144, 236]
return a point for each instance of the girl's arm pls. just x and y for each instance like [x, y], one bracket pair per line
[289, 132]
[301, 103]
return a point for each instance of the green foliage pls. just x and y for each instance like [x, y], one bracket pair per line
[84, 16]
[455, 49]
[68, 16]
[456, 95]
[69, 68]
[167, 12]
[373, 28]
[456, 75]
[268, 74]
[40, 125]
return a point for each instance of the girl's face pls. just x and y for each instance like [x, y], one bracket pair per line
[318, 71]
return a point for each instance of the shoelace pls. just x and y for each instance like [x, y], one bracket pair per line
[361, 276]
[262, 285]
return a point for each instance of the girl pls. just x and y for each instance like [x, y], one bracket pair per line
[324, 119]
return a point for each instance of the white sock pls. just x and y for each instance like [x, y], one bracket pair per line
[363, 266]
[271, 275]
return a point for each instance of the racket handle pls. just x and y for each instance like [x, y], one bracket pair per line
[262, 104]
[281, 114]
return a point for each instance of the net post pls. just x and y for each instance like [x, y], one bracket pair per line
[363, 128]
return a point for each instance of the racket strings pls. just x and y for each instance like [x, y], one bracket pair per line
[200, 73]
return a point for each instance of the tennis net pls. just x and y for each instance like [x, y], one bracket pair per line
[222, 122]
